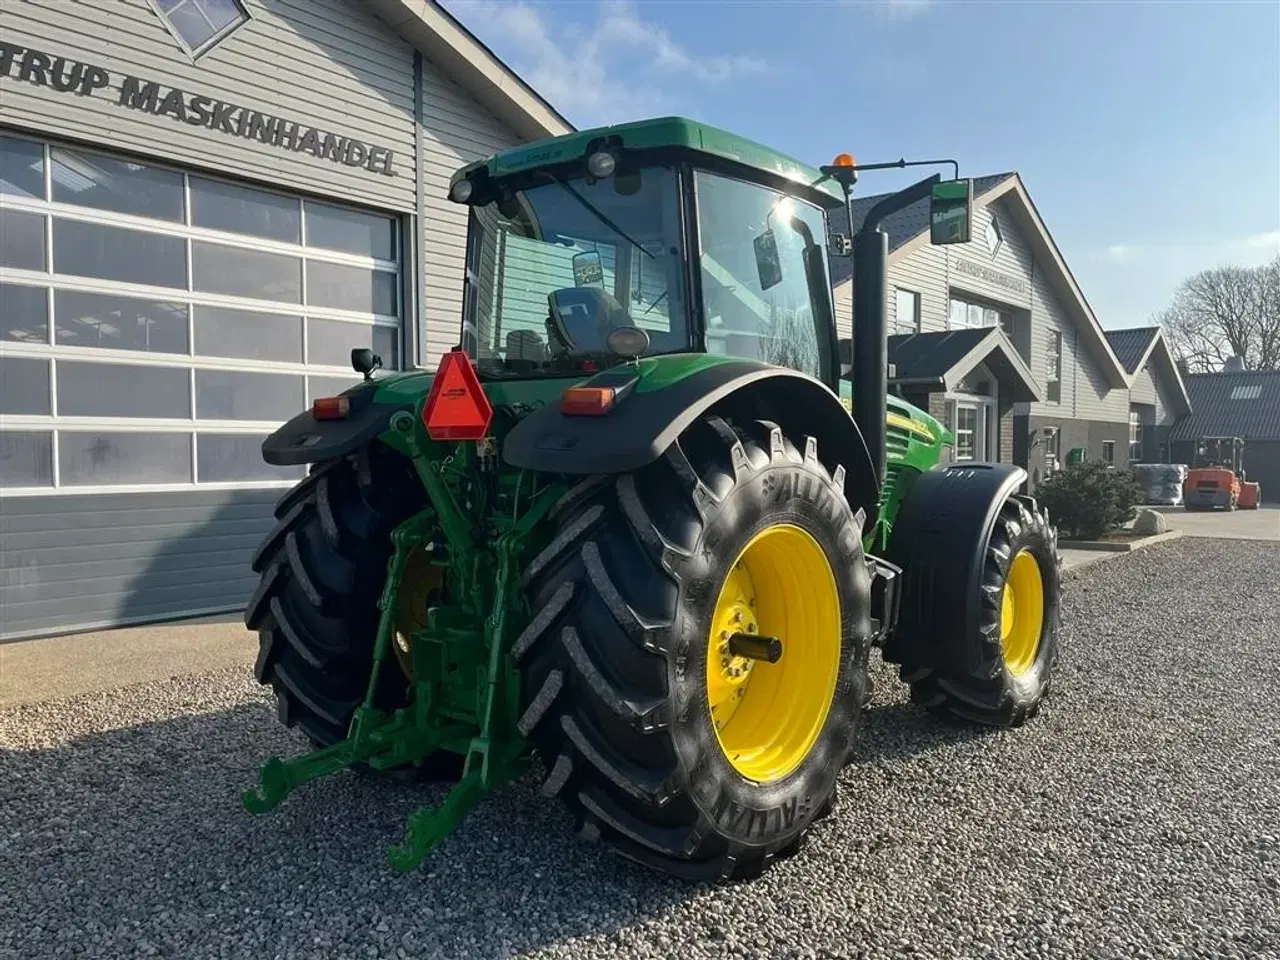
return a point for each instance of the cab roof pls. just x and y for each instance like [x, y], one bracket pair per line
[672, 132]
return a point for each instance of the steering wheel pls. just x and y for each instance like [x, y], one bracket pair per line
[580, 319]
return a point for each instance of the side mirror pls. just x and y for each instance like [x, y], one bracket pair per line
[845, 354]
[951, 212]
[588, 270]
[365, 361]
[768, 261]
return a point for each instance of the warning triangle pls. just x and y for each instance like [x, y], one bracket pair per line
[456, 407]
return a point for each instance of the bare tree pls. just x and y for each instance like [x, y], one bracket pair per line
[787, 340]
[1227, 312]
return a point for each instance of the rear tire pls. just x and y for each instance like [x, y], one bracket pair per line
[616, 657]
[977, 670]
[316, 611]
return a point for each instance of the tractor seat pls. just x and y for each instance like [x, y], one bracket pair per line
[525, 345]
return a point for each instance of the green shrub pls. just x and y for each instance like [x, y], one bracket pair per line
[1087, 500]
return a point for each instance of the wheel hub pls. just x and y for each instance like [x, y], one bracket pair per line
[1022, 613]
[421, 588]
[767, 713]
[727, 674]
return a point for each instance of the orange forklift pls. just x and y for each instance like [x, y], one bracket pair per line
[1217, 479]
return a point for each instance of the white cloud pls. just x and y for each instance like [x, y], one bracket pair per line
[893, 9]
[622, 68]
[1117, 253]
[907, 8]
[1267, 241]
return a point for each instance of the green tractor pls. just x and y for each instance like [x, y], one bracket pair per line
[647, 520]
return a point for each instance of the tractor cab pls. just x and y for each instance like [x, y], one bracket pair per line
[681, 251]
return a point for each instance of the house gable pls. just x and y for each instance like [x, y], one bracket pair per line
[473, 66]
[1153, 373]
[1012, 265]
[1024, 270]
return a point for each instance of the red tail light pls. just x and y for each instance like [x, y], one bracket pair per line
[331, 408]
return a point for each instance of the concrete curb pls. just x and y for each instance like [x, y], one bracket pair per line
[1104, 546]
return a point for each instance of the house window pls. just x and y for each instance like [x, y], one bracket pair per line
[994, 236]
[966, 431]
[966, 314]
[1053, 371]
[1109, 451]
[1135, 436]
[906, 317]
[200, 24]
[1051, 435]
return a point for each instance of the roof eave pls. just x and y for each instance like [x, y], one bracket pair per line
[474, 67]
[1040, 238]
[1171, 365]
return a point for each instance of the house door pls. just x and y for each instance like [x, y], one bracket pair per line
[971, 421]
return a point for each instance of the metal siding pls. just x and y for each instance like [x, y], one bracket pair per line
[1144, 387]
[70, 562]
[1262, 464]
[322, 63]
[843, 296]
[925, 272]
[457, 132]
[1013, 258]
[1149, 389]
[1085, 393]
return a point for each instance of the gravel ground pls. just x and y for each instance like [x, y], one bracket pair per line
[1137, 817]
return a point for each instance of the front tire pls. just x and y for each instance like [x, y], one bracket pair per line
[631, 696]
[989, 661]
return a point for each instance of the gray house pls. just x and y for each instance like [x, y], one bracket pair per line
[1242, 404]
[203, 207]
[996, 339]
[1158, 394]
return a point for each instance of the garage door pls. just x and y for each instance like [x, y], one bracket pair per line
[156, 324]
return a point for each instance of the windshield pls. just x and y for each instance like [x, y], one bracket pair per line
[554, 269]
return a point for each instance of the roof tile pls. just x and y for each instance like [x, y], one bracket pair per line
[1130, 345]
[1255, 415]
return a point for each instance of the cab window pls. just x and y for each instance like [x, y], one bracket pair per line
[755, 290]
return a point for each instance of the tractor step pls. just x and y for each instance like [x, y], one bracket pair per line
[885, 580]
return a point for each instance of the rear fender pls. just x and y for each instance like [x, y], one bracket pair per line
[304, 439]
[641, 428]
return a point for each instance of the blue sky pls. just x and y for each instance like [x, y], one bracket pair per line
[1148, 133]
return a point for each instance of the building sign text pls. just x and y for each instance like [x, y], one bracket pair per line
[85, 80]
[996, 277]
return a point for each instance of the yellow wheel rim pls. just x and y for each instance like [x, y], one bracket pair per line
[767, 716]
[420, 589]
[1022, 613]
